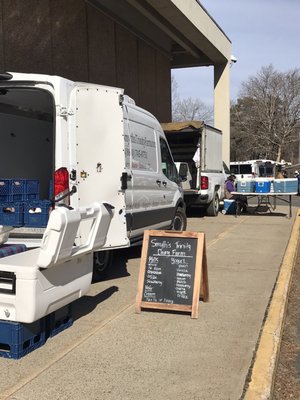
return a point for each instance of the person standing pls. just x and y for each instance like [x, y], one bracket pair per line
[297, 175]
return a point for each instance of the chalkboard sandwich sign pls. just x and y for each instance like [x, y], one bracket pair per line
[173, 272]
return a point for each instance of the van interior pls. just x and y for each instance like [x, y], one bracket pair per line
[27, 136]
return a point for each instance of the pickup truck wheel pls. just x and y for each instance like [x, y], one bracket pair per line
[179, 221]
[213, 208]
[102, 263]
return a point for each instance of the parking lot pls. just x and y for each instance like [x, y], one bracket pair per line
[110, 352]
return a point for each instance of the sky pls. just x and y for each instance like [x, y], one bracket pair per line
[262, 32]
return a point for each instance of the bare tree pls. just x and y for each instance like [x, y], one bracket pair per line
[266, 117]
[189, 109]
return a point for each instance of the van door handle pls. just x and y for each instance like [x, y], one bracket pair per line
[164, 183]
[158, 182]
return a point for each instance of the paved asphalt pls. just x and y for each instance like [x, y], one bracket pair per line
[112, 353]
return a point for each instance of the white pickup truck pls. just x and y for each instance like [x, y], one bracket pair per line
[197, 151]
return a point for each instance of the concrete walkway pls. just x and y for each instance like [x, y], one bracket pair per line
[111, 353]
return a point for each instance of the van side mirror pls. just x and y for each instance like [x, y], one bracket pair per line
[183, 171]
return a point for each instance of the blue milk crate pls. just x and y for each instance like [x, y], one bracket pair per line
[229, 207]
[59, 320]
[245, 186]
[32, 189]
[262, 186]
[18, 190]
[36, 213]
[286, 185]
[18, 339]
[5, 190]
[11, 214]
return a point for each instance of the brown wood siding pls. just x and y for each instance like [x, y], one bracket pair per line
[69, 39]
[147, 76]
[27, 35]
[163, 88]
[72, 39]
[126, 62]
[101, 50]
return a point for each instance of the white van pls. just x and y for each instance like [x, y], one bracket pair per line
[102, 161]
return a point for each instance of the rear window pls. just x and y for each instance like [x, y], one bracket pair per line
[245, 169]
[238, 169]
[27, 103]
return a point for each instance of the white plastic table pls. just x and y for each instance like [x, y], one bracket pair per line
[264, 199]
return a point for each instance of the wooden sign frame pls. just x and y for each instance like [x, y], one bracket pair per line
[200, 287]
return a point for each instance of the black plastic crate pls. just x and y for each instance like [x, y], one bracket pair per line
[18, 339]
[36, 213]
[59, 320]
[11, 214]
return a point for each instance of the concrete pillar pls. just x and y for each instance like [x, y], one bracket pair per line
[222, 105]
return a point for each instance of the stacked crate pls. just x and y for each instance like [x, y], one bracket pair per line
[18, 339]
[20, 204]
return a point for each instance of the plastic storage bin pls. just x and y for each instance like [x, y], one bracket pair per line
[245, 186]
[18, 339]
[11, 214]
[229, 207]
[32, 189]
[286, 185]
[36, 213]
[59, 320]
[4, 190]
[263, 186]
[18, 190]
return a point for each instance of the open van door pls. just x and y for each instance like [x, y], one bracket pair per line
[99, 148]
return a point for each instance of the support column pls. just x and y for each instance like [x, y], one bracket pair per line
[222, 106]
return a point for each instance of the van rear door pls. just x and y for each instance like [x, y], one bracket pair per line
[100, 160]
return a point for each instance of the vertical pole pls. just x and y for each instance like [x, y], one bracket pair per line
[222, 105]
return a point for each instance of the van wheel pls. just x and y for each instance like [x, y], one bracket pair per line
[179, 221]
[213, 208]
[102, 263]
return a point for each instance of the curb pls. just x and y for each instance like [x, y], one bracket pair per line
[262, 375]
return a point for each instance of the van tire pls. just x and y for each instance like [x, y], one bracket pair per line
[213, 208]
[102, 261]
[179, 221]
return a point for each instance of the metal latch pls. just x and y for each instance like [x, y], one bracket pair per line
[64, 111]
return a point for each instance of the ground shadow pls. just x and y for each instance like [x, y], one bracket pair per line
[261, 211]
[118, 269]
[88, 303]
[196, 212]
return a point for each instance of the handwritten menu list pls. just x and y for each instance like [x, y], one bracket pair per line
[170, 270]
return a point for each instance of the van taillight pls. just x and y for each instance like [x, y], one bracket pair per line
[204, 182]
[61, 182]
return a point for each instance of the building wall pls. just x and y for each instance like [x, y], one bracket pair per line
[72, 39]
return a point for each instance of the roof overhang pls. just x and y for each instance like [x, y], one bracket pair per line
[182, 30]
